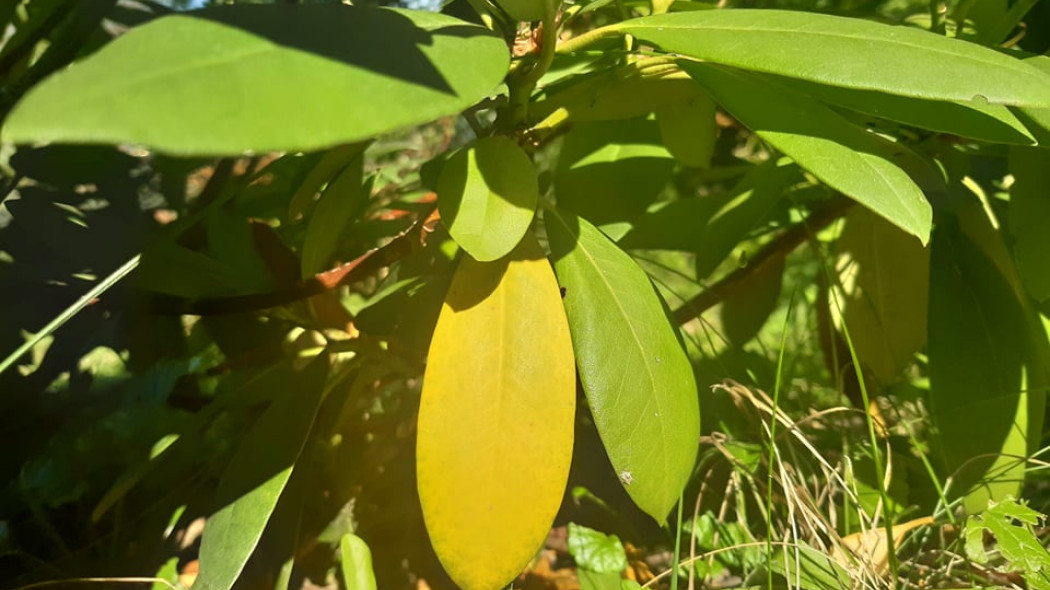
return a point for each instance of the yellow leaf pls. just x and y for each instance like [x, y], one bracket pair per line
[496, 417]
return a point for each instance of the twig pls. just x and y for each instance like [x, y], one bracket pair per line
[404, 244]
[583, 40]
[775, 251]
[132, 580]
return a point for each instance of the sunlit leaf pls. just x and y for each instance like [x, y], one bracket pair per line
[355, 559]
[487, 195]
[634, 371]
[847, 52]
[986, 122]
[592, 580]
[595, 551]
[1012, 524]
[885, 279]
[626, 91]
[862, 165]
[496, 418]
[233, 79]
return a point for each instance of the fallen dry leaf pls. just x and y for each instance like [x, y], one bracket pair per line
[189, 572]
[870, 546]
[542, 576]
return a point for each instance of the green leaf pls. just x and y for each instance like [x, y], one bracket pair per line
[974, 540]
[611, 171]
[235, 79]
[1037, 120]
[870, 491]
[355, 560]
[885, 282]
[744, 314]
[1029, 216]
[712, 226]
[487, 196]
[714, 534]
[634, 371]
[1011, 523]
[689, 131]
[169, 572]
[231, 240]
[343, 201]
[596, 551]
[862, 165]
[590, 580]
[258, 472]
[996, 32]
[132, 476]
[982, 15]
[804, 567]
[977, 367]
[168, 267]
[631, 90]
[40, 17]
[987, 122]
[847, 52]
[325, 165]
[6, 13]
[284, 575]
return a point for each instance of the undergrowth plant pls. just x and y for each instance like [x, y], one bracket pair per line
[391, 297]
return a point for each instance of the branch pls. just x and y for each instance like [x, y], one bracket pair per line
[407, 242]
[583, 40]
[775, 251]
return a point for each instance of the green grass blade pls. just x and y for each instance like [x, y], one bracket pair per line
[68, 313]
